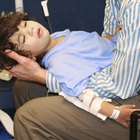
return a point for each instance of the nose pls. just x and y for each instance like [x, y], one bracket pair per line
[30, 31]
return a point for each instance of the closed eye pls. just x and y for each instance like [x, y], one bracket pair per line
[25, 24]
[21, 39]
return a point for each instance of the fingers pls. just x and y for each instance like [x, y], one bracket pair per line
[13, 71]
[118, 28]
[15, 56]
[125, 124]
[130, 106]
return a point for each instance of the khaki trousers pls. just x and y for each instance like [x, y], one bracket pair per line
[53, 117]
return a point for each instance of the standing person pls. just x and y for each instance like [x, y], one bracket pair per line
[83, 127]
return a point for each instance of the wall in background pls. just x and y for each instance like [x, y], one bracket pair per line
[73, 14]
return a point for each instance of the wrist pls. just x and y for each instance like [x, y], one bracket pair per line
[40, 75]
[115, 114]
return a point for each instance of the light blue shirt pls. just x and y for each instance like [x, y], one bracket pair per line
[76, 58]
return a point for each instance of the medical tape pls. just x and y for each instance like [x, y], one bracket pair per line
[87, 97]
[115, 113]
[91, 100]
[96, 105]
[95, 108]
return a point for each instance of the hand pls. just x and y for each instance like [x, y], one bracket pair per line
[118, 28]
[125, 112]
[26, 69]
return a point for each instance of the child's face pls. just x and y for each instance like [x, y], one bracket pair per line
[31, 36]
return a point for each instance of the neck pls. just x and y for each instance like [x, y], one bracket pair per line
[54, 41]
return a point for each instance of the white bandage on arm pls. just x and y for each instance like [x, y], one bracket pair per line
[95, 108]
[91, 100]
[115, 113]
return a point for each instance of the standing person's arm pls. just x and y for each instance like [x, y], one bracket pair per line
[27, 69]
[118, 28]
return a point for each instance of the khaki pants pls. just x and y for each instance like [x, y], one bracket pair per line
[53, 117]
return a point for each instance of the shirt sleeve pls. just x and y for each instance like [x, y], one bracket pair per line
[51, 83]
[110, 17]
[123, 80]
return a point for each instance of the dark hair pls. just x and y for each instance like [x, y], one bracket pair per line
[8, 26]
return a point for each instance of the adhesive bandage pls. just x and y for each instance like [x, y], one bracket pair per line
[91, 100]
[115, 113]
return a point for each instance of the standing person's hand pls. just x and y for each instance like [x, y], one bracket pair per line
[27, 69]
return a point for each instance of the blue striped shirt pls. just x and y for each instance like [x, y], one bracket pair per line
[122, 78]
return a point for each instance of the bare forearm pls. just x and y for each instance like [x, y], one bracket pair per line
[118, 28]
[27, 69]
[108, 36]
[40, 76]
[106, 109]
